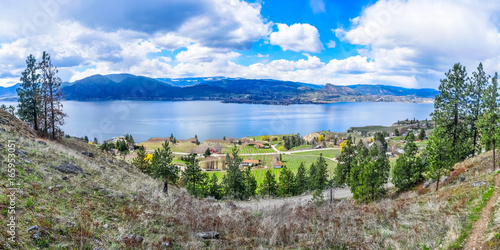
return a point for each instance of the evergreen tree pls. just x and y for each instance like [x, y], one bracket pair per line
[321, 177]
[379, 136]
[450, 112]
[234, 180]
[86, 139]
[489, 122]
[207, 152]
[214, 188]
[224, 138]
[440, 156]
[373, 174]
[52, 95]
[345, 157]
[268, 185]
[357, 163]
[409, 167]
[311, 178]
[421, 134]
[301, 180]
[476, 86]
[396, 132]
[162, 166]
[29, 92]
[140, 162]
[250, 183]
[193, 176]
[286, 185]
[96, 142]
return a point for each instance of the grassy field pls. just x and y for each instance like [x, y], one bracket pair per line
[291, 161]
[182, 147]
[330, 153]
[249, 150]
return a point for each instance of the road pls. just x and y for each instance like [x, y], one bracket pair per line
[295, 200]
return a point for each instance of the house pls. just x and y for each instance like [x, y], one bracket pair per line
[278, 164]
[259, 145]
[251, 163]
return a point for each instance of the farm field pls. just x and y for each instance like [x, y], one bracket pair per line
[331, 153]
[291, 161]
[182, 146]
[245, 149]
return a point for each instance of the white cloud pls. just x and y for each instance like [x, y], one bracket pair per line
[297, 37]
[317, 6]
[409, 38]
[331, 44]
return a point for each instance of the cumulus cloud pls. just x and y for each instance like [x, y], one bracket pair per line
[331, 44]
[412, 37]
[297, 37]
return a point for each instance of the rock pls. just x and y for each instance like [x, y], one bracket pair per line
[102, 167]
[28, 170]
[70, 224]
[65, 178]
[110, 161]
[478, 183]
[444, 179]
[426, 184]
[133, 238]
[208, 235]
[166, 244]
[42, 143]
[69, 168]
[461, 178]
[35, 227]
[105, 225]
[37, 236]
[97, 242]
[87, 153]
[26, 161]
[97, 248]
[21, 153]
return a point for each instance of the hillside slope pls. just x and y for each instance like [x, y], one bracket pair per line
[73, 201]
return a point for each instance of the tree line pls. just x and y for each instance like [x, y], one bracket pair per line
[40, 97]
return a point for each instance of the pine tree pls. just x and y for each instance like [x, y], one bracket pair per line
[162, 166]
[343, 169]
[29, 92]
[321, 177]
[96, 142]
[268, 186]
[440, 156]
[311, 177]
[409, 167]
[373, 174]
[139, 161]
[250, 183]
[489, 122]
[193, 176]
[450, 112]
[286, 185]
[207, 152]
[52, 95]
[421, 134]
[86, 139]
[214, 188]
[476, 87]
[301, 180]
[234, 180]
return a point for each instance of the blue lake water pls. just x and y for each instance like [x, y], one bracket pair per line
[210, 119]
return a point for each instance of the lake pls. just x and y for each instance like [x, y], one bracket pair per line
[210, 119]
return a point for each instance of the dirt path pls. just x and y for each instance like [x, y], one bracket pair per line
[303, 199]
[475, 239]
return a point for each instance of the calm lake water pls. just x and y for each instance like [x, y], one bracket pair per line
[210, 119]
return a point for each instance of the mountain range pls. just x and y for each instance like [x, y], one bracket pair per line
[265, 91]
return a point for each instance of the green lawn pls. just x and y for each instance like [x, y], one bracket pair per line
[249, 150]
[291, 161]
[330, 153]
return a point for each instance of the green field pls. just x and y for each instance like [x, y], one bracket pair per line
[291, 161]
[183, 147]
[330, 153]
[245, 149]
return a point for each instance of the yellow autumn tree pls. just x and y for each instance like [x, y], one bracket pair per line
[320, 138]
[148, 158]
[343, 145]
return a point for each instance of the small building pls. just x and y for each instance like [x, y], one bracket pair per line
[251, 163]
[278, 164]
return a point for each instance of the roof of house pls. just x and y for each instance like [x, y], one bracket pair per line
[250, 161]
[278, 163]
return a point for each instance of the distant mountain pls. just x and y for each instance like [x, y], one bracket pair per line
[9, 91]
[264, 91]
[338, 90]
[394, 91]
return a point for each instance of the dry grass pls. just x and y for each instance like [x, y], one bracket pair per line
[110, 201]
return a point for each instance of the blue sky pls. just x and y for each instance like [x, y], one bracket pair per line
[409, 43]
